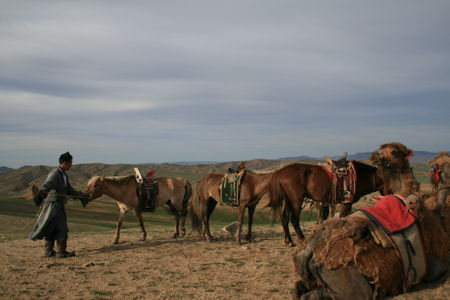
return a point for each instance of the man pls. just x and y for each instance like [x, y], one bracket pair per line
[51, 222]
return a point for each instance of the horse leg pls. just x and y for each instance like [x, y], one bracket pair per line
[239, 223]
[251, 212]
[183, 225]
[177, 225]
[324, 212]
[141, 223]
[119, 224]
[295, 220]
[346, 209]
[285, 223]
[211, 205]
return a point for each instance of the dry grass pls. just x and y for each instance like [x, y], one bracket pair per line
[160, 268]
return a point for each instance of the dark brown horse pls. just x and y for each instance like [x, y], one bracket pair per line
[173, 192]
[292, 184]
[253, 187]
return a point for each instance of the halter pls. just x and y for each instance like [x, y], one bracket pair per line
[388, 158]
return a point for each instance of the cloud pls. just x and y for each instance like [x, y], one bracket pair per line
[219, 81]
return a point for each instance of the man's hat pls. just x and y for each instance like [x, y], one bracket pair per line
[65, 157]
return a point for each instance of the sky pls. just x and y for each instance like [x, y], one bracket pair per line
[168, 81]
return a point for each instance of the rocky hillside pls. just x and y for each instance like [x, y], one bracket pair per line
[15, 182]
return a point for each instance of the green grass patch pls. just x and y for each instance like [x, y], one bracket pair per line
[17, 217]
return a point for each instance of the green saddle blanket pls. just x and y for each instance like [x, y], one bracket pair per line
[230, 189]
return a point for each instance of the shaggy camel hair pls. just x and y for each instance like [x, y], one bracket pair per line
[341, 259]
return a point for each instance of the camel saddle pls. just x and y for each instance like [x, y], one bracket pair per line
[394, 225]
[230, 191]
[343, 176]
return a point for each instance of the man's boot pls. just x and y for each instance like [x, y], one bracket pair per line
[48, 248]
[62, 246]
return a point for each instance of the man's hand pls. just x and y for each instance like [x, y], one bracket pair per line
[84, 199]
[43, 194]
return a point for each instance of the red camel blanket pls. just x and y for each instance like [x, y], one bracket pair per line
[390, 213]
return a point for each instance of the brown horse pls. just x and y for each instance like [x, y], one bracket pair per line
[342, 259]
[292, 184]
[173, 192]
[253, 187]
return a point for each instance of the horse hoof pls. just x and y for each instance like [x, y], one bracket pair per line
[289, 243]
[174, 236]
[250, 239]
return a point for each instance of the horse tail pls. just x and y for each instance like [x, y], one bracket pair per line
[196, 211]
[277, 197]
[187, 196]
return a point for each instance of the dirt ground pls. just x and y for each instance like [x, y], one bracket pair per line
[160, 268]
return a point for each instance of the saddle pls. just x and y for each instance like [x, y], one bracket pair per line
[147, 191]
[343, 175]
[394, 225]
[230, 187]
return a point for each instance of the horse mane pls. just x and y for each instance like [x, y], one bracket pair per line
[118, 179]
[442, 159]
[364, 166]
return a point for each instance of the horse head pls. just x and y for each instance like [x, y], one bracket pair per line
[94, 187]
[392, 156]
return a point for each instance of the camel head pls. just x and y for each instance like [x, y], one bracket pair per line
[440, 170]
[393, 156]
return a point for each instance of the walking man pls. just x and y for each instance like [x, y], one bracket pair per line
[51, 223]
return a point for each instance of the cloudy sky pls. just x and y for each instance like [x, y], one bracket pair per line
[164, 81]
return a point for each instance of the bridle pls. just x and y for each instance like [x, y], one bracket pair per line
[385, 161]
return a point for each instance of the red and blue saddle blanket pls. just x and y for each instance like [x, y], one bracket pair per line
[390, 214]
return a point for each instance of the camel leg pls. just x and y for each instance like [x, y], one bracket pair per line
[119, 224]
[211, 205]
[141, 223]
[239, 223]
[285, 223]
[251, 212]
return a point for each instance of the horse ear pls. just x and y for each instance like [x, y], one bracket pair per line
[328, 160]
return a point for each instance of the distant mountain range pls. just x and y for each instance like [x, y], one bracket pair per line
[419, 156]
[5, 169]
[16, 181]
